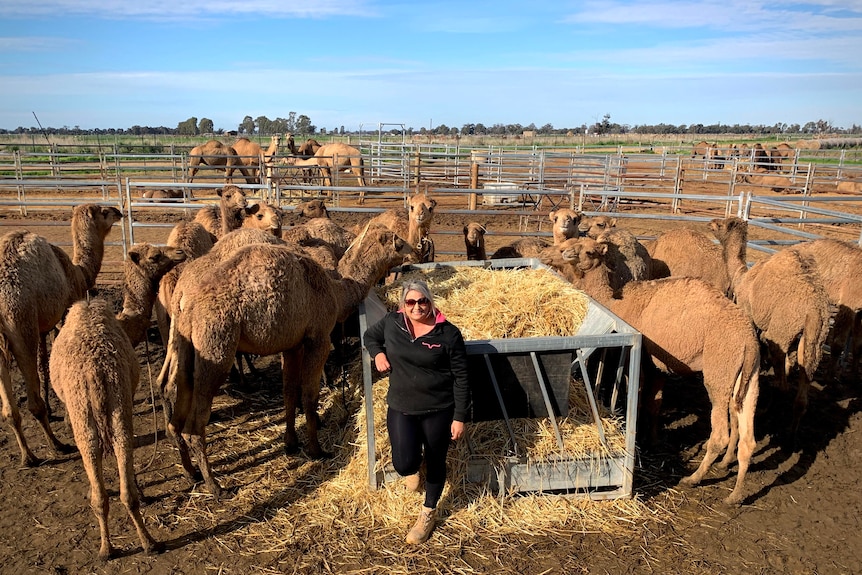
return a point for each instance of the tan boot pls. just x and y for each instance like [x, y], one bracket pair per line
[411, 482]
[422, 528]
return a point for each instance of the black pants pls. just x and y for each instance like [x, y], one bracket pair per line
[410, 435]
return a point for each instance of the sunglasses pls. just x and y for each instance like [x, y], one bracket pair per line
[411, 302]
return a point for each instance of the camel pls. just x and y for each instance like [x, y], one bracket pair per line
[214, 153]
[776, 183]
[701, 149]
[308, 148]
[566, 224]
[474, 241]
[321, 232]
[95, 373]
[786, 302]
[627, 258]
[227, 215]
[253, 156]
[530, 247]
[167, 193]
[311, 209]
[241, 305]
[264, 216]
[38, 283]
[688, 327]
[413, 224]
[685, 252]
[338, 156]
[838, 265]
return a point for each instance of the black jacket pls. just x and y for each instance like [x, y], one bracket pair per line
[428, 373]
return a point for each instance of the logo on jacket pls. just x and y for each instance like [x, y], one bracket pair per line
[431, 345]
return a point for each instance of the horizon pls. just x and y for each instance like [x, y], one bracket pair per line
[358, 64]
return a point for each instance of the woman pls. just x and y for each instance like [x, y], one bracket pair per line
[429, 395]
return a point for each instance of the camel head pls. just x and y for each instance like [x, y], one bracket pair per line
[233, 196]
[311, 209]
[722, 228]
[100, 217]
[154, 261]
[421, 208]
[566, 221]
[474, 233]
[594, 226]
[584, 253]
[264, 216]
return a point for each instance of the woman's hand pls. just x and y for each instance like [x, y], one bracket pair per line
[381, 362]
[457, 430]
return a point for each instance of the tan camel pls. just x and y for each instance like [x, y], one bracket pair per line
[253, 156]
[321, 231]
[413, 224]
[241, 305]
[566, 224]
[688, 327]
[311, 209]
[474, 241]
[786, 302]
[530, 247]
[627, 258]
[227, 215]
[308, 148]
[684, 252]
[95, 373]
[214, 153]
[838, 264]
[338, 156]
[38, 283]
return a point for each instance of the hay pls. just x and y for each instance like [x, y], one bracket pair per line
[499, 303]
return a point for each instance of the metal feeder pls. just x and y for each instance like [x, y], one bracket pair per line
[529, 377]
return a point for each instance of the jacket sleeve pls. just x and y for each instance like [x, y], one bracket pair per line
[458, 363]
[374, 338]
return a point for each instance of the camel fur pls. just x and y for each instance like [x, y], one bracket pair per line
[838, 265]
[242, 305]
[566, 224]
[215, 153]
[227, 215]
[38, 283]
[687, 327]
[413, 224]
[311, 209]
[786, 302]
[627, 258]
[531, 247]
[474, 241]
[95, 373]
[684, 252]
[264, 216]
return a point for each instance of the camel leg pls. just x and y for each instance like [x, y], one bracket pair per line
[28, 364]
[718, 440]
[778, 357]
[747, 443]
[129, 493]
[91, 458]
[291, 363]
[13, 416]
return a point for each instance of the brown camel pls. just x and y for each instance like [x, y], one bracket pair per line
[308, 148]
[311, 209]
[214, 153]
[241, 305]
[627, 258]
[474, 241]
[688, 327]
[227, 215]
[38, 283]
[94, 371]
[338, 156]
[786, 302]
[253, 156]
[530, 247]
[413, 224]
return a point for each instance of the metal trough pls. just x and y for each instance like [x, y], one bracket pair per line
[529, 377]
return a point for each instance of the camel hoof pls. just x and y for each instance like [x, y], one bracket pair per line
[689, 481]
[31, 460]
[156, 548]
[64, 449]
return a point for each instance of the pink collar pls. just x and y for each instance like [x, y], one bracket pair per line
[439, 318]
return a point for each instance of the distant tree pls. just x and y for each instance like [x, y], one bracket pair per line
[480, 129]
[247, 126]
[304, 126]
[188, 128]
[468, 129]
[264, 125]
[205, 126]
[547, 129]
[291, 122]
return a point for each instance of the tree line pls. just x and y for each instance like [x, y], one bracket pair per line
[301, 124]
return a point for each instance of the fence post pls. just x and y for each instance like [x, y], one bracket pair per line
[474, 183]
[417, 162]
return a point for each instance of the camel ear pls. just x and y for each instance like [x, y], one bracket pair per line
[551, 215]
[433, 203]
[252, 209]
[613, 222]
[220, 192]
[465, 230]
[134, 255]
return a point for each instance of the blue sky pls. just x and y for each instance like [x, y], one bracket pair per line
[352, 63]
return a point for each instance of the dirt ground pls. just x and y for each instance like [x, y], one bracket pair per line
[801, 515]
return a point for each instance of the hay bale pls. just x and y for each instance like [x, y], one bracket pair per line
[499, 303]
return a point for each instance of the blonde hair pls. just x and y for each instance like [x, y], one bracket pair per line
[421, 287]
